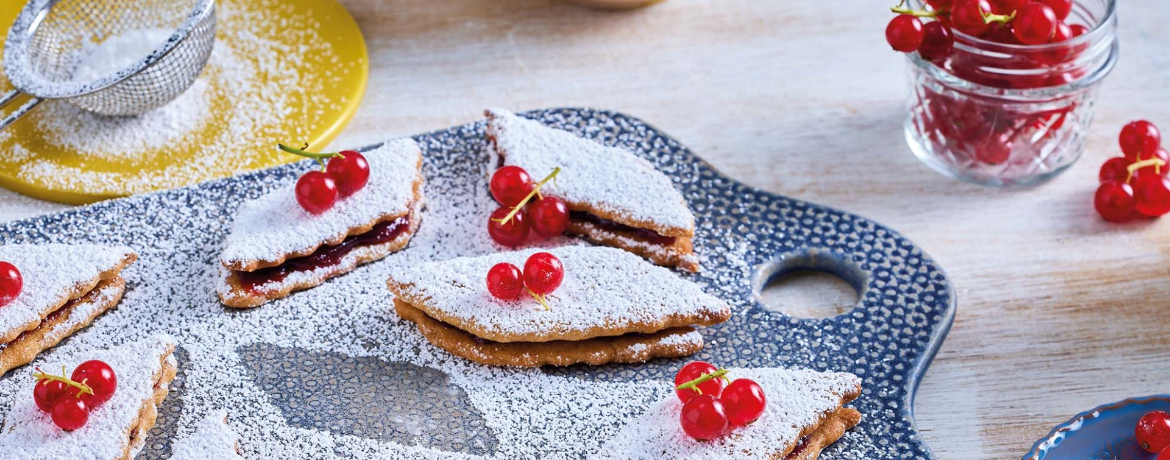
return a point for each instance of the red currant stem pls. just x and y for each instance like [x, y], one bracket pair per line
[916, 13]
[535, 192]
[539, 298]
[1157, 163]
[1000, 18]
[694, 384]
[320, 157]
[81, 386]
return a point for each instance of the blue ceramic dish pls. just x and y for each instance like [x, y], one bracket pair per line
[1103, 433]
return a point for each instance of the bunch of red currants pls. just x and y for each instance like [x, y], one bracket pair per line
[712, 406]
[11, 283]
[511, 224]
[68, 400]
[1135, 185]
[543, 273]
[346, 173]
[1153, 433]
[1011, 22]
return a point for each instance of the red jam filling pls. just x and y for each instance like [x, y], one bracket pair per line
[649, 236]
[384, 232]
[52, 317]
[800, 446]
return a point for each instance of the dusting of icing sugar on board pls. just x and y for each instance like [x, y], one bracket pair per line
[266, 82]
[906, 308]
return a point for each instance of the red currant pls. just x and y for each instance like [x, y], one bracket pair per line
[510, 184]
[543, 273]
[1152, 195]
[704, 418]
[350, 171]
[505, 281]
[316, 192]
[1035, 24]
[967, 16]
[904, 33]
[1153, 431]
[1007, 6]
[513, 233]
[937, 41]
[550, 216]
[692, 371]
[1062, 8]
[11, 283]
[100, 378]
[996, 150]
[940, 5]
[1116, 169]
[1078, 30]
[744, 401]
[1139, 139]
[1114, 201]
[1165, 455]
[46, 393]
[70, 413]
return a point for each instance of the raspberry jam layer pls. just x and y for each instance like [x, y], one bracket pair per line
[327, 256]
[800, 446]
[648, 236]
[55, 315]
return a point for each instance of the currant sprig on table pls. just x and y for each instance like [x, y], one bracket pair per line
[69, 400]
[345, 174]
[1153, 433]
[714, 405]
[543, 274]
[1135, 185]
[518, 214]
[11, 283]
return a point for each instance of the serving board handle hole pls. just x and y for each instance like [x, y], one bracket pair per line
[829, 271]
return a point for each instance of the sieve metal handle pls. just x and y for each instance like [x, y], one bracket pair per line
[23, 110]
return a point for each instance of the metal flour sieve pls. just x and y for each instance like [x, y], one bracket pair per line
[47, 41]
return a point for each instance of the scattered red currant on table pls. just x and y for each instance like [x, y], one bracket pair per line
[11, 283]
[1135, 184]
[513, 188]
[68, 400]
[346, 173]
[711, 410]
[1153, 431]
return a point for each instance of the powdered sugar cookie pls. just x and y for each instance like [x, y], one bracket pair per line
[117, 429]
[213, 440]
[65, 287]
[615, 197]
[275, 247]
[804, 414]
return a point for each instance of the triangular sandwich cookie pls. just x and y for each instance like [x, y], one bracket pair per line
[65, 288]
[117, 429]
[275, 247]
[612, 306]
[615, 198]
[804, 414]
[213, 440]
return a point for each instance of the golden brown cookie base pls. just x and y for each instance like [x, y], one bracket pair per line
[148, 414]
[28, 345]
[831, 429]
[253, 265]
[633, 348]
[237, 296]
[77, 291]
[710, 317]
[680, 254]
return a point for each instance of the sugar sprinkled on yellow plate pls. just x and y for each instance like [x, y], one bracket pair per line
[287, 71]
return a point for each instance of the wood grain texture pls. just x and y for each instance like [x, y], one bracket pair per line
[1058, 311]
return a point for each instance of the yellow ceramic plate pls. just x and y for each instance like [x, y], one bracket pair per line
[291, 71]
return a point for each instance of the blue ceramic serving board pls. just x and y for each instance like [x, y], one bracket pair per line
[745, 237]
[1103, 433]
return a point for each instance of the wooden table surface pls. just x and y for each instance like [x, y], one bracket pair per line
[1058, 311]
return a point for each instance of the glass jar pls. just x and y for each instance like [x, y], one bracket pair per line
[1003, 114]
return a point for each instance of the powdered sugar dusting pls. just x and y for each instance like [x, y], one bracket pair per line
[273, 226]
[611, 178]
[213, 440]
[796, 399]
[602, 287]
[30, 433]
[100, 60]
[51, 272]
